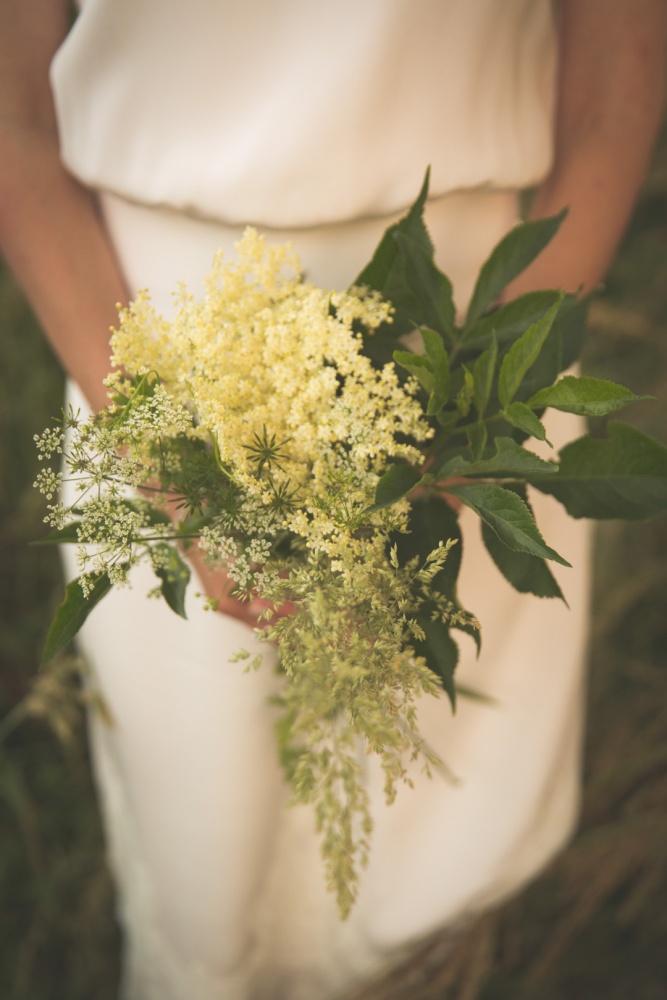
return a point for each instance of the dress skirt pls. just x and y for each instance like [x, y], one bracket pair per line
[220, 885]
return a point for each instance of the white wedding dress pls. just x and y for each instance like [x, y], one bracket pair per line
[314, 121]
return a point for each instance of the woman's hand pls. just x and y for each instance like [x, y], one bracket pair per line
[217, 584]
[218, 587]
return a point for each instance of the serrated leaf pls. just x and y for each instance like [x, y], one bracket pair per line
[437, 355]
[571, 327]
[509, 320]
[586, 396]
[377, 271]
[174, 575]
[417, 365]
[527, 574]
[483, 371]
[60, 536]
[447, 418]
[431, 521]
[561, 349]
[450, 465]
[522, 417]
[522, 355]
[147, 384]
[464, 395]
[403, 270]
[512, 256]
[419, 292]
[440, 652]
[508, 516]
[396, 483]
[510, 459]
[72, 613]
[474, 694]
[152, 514]
[562, 346]
[380, 345]
[624, 476]
[146, 387]
[425, 295]
[470, 630]
[477, 435]
[545, 370]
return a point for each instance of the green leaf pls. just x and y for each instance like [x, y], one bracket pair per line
[376, 273]
[511, 459]
[522, 417]
[465, 394]
[447, 418]
[153, 514]
[403, 270]
[147, 384]
[423, 292]
[474, 694]
[546, 369]
[451, 464]
[526, 573]
[397, 481]
[589, 397]
[437, 355]
[561, 349]
[72, 613]
[624, 476]
[508, 516]
[483, 371]
[60, 536]
[571, 328]
[175, 576]
[430, 522]
[433, 521]
[512, 256]
[146, 387]
[477, 435]
[508, 321]
[562, 346]
[440, 652]
[417, 365]
[522, 354]
[380, 345]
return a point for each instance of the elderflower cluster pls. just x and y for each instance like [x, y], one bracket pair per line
[262, 349]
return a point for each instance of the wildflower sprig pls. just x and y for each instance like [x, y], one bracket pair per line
[283, 428]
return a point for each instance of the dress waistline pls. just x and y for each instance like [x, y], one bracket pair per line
[159, 246]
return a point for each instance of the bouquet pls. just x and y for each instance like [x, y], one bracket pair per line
[289, 432]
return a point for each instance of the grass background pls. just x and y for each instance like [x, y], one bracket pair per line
[593, 926]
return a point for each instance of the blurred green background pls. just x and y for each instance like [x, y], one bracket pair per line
[594, 925]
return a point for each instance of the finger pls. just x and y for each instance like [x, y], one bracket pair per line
[235, 609]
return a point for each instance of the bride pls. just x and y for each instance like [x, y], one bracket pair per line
[136, 143]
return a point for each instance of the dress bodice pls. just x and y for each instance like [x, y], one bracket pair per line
[304, 112]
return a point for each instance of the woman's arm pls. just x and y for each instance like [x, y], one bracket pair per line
[50, 232]
[609, 108]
